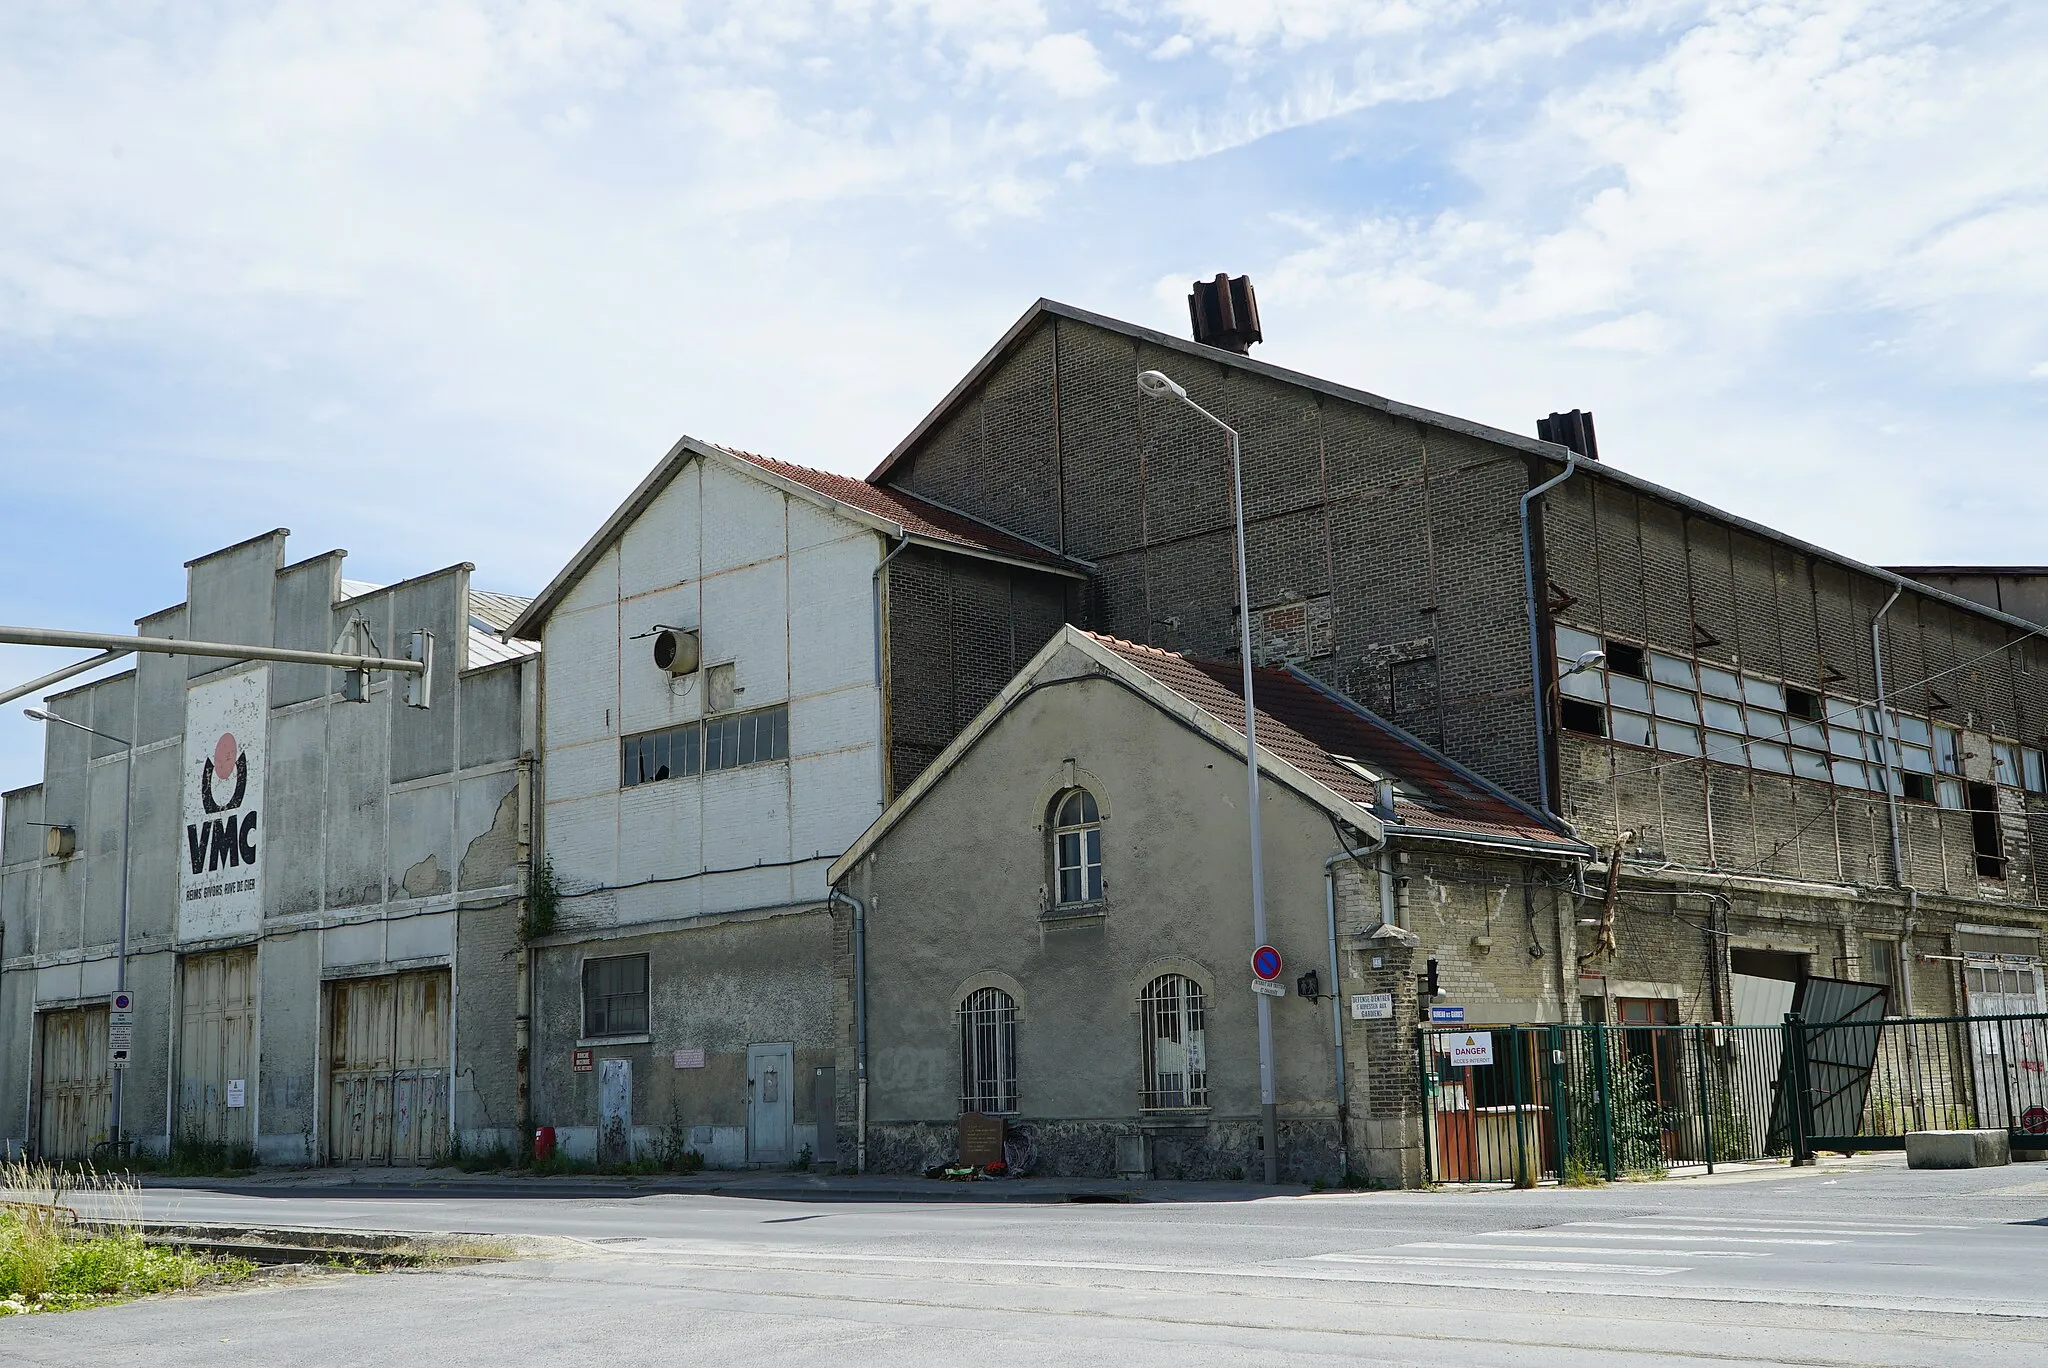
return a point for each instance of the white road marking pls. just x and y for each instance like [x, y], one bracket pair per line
[1596, 1249]
[1663, 1235]
[1508, 1265]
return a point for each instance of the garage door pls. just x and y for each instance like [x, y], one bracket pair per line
[75, 1099]
[217, 1048]
[387, 1069]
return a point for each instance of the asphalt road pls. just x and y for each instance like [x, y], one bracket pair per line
[1863, 1265]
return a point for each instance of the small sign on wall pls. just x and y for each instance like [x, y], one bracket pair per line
[238, 1092]
[583, 1061]
[1471, 1049]
[981, 1139]
[1372, 1006]
[691, 1058]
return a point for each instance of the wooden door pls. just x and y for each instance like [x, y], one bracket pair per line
[76, 1096]
[217, 1049]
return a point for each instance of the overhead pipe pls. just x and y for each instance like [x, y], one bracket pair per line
[1538, 691]
[59, 676]
[122, 645]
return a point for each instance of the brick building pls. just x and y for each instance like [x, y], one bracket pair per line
[1728, 742]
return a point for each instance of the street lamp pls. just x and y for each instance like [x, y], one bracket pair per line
[1160, 386]
[121, 954]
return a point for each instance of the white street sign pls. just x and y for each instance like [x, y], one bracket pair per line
[1264, 989]
[1372, 1007]
[1470, 1049]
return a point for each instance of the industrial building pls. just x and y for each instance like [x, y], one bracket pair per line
[324, 890]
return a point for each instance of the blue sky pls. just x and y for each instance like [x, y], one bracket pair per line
[438, 281]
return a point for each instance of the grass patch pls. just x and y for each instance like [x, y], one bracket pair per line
[48, 1262]
[192, 1158]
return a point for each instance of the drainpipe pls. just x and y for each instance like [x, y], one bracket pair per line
[1336, 993]
[1538, 692]
[881, 686]
[860, 1025]
[522, 1020]
[1386, 859]
[1884, 722]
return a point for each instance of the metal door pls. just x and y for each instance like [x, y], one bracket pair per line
[387, 1069]
[768, 1103]
[2011, 1057]
[76, 1101]
[615, 1111]
[217, 1048]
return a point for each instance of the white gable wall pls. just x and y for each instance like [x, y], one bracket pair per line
[779, 587]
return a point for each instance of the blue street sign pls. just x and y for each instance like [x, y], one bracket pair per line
[1266, 963]
[1447, 1014]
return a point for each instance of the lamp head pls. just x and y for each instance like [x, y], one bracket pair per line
[1591, 660]
[37, 715]
[1159, 385]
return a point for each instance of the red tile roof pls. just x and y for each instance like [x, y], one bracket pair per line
[1309, 727]
[912, 514]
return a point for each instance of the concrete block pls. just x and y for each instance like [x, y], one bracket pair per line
[1957, 1149]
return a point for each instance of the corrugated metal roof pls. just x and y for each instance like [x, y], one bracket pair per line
[1317, 731]
[917, 516]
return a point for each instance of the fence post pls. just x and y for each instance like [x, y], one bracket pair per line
[1557, 1118]
[1428, 1111]
[1522, 1175]
[1699, 1069]
[1602, 1081]
[2011, 1098]
[1802, 1119]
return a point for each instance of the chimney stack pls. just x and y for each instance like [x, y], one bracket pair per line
[1574, 430]
[1225, 313]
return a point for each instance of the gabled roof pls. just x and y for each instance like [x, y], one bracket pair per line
[1305, 735]
[1046, 309]
[888, 511]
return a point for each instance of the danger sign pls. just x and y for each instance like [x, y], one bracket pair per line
[1470, 1049]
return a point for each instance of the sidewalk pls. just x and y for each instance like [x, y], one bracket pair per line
[767, 1184]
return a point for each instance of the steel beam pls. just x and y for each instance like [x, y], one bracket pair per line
[51, 636]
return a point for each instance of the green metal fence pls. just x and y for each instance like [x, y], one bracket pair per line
[1521, 1104]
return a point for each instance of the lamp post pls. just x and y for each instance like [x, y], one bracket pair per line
[1160, 386]
[121, 954]
[1591, 660]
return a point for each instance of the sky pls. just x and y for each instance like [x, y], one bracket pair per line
[438, 281]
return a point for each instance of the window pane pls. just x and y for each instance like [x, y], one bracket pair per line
[782, 733]
[1573, 643]
[1850, 772]
[1094, 866]
[1843, 713]
[1809, 764]
[1949, 793]
[2033, 770]
[1808, 734]
[682, 749]
[1679, 738]
[1768, 725]
[1676, 703]
[1916, 759]
[1766, 756]
[1671, 670]
[1726, 716]
[656, 747]
[2005, 764]
[629, 762]
[1720, 683]
[1912, 730]
[1848, 743]
[1628, 693]
[1587, 684]
[1729, 750]
[1947, 755]
[1630, 727]
[1763, 693]
[750, 730]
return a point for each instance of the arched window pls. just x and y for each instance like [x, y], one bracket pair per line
[1176, 1049]
[988, 1052]
[1077, 848]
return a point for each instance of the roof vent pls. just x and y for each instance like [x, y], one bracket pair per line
[1225, 313]
[1574, 430]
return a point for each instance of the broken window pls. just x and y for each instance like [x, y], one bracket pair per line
[1918, 787]
[1801, 703]
[1581, 716]
[1624, 659]
[1984, 833]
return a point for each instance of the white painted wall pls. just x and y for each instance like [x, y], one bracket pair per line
[782, 589]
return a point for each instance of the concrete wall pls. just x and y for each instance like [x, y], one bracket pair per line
[954, 894]
[377, 821]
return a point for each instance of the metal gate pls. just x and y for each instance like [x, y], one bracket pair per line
[217, 1049]
[75, 1099]
[387, 1069]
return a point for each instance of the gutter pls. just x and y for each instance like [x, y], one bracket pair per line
[860, 1025]
[1539, 694]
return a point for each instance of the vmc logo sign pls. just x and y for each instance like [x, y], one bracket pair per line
[225, 723]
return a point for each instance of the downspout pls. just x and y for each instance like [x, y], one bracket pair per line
[881, 685]
[860, 1025]
[1538, 692]
[522, 1020]
[1360, 856]
[1386, 859]
[1891, 811]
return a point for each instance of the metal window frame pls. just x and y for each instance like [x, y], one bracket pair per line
[588, 1000]
[1078, 830]
[697, 741]
[988, 1052]
[1176, 999]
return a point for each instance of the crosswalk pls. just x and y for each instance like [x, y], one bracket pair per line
[1648, 1248]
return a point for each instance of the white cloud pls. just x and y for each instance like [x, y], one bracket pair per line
[1067, 64]
[1178, 46]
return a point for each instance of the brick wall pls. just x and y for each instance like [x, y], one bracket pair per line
[959, 629]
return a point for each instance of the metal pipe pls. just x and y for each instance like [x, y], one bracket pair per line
[52, 636]
[1537, 695]
[860, 1026]
[59, 676]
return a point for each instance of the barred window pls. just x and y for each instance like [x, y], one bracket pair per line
[988, 1052]
[615, 996]
[1077, 848]
[1176, 1048]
